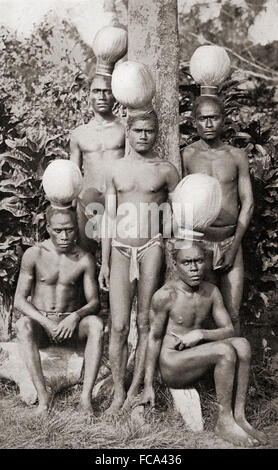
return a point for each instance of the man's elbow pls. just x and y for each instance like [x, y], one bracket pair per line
[18, 301]
[95, 306]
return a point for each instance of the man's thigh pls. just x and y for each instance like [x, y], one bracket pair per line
[180, 368]
[150, 279]
[121, 291]
[231, 284]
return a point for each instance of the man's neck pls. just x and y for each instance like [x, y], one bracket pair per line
[216, 144]
[186, 288]
[143, 157]
[104, 118]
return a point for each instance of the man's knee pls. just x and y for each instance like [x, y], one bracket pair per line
[120, 329]
[93, 325]
[226, 351]
[243, 348]
[24, 328]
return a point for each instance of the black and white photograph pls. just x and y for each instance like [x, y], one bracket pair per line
[138, 228]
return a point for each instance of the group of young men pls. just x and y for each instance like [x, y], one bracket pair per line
[57, 290]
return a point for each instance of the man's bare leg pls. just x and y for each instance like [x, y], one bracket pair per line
[180, 369]
[231, 286]
[150, 269]
[29, 335]
[90, 330]
[243, 350]
[121, 297]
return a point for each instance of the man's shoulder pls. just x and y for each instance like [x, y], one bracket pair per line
[210, 289]
[190, 149]
[79, 130]
[236, 152]
[119, 122]
[164, 295]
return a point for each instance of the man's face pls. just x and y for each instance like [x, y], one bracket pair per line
[62, 229]
[142, 135]
[190, 265]
[101, 95]
[209, 120]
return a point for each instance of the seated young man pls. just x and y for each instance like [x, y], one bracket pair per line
[186, 350]
[48, 295]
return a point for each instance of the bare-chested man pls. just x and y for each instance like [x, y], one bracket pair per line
[94, 148]
[229, 165]
[54, 274]
[135, 182]
[186, 350]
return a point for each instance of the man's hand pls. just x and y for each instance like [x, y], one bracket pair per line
[65, 329]
[148, 396]
[228, 259]
[192, 338]
[50, 327]
[103, 277]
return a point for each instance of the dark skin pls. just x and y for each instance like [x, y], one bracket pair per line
[138, 178]
[50, 277]
[229, 165]
[185, 350]
[94, 148]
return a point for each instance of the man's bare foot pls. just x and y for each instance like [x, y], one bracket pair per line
[85, 405]
[243, 423]
[130, 401]
[230, 431]
[115, 407]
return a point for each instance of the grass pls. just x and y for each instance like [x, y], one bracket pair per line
[163, 428]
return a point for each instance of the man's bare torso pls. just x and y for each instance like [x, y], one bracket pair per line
[57, 279]
[187, 310]
[139, 182]
[220, 163]
[100, 146]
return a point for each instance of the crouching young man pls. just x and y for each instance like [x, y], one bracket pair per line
[186, 351]
[54, 273]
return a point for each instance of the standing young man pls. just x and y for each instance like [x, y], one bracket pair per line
[134, 259]
[94, 148]
[229, 165]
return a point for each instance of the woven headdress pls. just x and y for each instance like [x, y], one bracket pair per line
[209, 67]
[133, 86]
[109, 46]
[62, 182]
[196, 204]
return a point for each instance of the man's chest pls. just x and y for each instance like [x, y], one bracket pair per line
[58, 271]
[139, 179]
[100, 140]
[218, 165]
[190, 310]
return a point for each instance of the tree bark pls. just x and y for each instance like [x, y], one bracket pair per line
[153, 41]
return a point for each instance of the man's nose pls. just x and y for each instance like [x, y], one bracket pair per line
[194, 266]
[64, 235]
[209, 122]
[143, 135]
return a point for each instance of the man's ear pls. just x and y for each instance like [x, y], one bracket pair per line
[194, 123]
[48, 229]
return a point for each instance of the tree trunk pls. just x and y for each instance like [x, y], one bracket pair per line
[153, 41]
